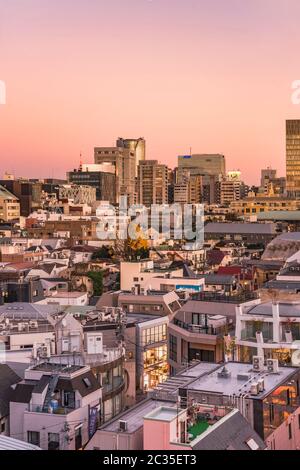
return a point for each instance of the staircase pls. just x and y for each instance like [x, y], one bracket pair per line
[51, 388]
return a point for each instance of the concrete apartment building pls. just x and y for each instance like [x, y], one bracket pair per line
[230, 190]
[55, 407]
[200, 329]
[152, 183]
[9, 206]
[135, 273]
[73, 335]
[270, 330]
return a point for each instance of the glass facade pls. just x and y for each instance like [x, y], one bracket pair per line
[280, 404]
[156, 367]
[154, 335]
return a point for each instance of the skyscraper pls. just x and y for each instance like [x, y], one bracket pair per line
[137, 146]
[293, 158]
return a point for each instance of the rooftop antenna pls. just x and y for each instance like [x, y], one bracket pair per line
[80, 161]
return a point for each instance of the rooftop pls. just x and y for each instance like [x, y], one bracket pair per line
[57, 368]
[239, 378]
[237, 227]
[286, 309]
[163, 413]
[135, 416]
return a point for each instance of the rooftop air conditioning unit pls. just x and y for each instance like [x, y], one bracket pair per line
[273, 366]
[254, 390]
[21, 326]
[123, 425]
[258, 363]
[33, 324]
[261, 384]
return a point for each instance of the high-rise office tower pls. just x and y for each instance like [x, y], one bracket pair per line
[123, 160]
[137, 146]
[202, 164]
[293, 158]
[152, 183]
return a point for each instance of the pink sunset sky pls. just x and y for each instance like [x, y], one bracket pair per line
[214, 75]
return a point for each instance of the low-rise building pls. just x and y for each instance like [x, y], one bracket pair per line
[241, 232]
[199, 329]
[270, 330]
[56, 406]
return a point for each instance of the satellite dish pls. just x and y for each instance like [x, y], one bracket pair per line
[296, 358]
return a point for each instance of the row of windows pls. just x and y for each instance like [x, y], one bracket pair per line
[154, 335]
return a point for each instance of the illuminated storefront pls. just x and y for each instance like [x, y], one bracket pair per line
[153, 361]
[155, 367]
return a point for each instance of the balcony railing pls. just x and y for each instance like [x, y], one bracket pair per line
[108, 355]
[248, 335]
[116, 383]
[200, 329]
[226, 298]
[83, 358]
[59, 409]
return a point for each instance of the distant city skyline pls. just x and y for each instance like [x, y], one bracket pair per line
[212, 76]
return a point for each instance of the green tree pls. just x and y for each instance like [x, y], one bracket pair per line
[97, 278]
[103, 253]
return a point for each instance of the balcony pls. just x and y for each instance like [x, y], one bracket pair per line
[250, 336]
[113, 386]
[225, 298]
[55, 409]
[109, 355]
[200, 329]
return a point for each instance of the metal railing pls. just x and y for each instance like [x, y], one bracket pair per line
[54, 410]
[226, 298]
[200, 329]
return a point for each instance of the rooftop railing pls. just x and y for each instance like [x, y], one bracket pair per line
[225, 298]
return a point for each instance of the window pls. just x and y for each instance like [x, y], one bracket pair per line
[69, 399]
[78, 438]
[173, 348]
[290, 431]
[2, 429]
[87, 382]
[53, 441]
[33, 437]
[271, 412]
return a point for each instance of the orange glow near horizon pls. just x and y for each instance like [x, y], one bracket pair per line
[211, 75]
